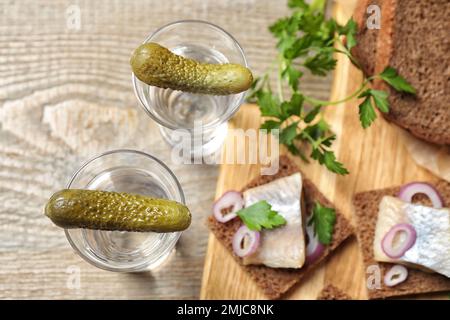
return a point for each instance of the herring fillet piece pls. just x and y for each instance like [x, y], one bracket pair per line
[432, 247]
[282, 247]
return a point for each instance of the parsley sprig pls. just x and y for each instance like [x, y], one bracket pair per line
[308, 42]
[260, 215]
[323, 219]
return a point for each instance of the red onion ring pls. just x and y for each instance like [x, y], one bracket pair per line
[245, 241]
[387, 242]
[408, 191]
[229, 199]
[314, 249]
[397, 274]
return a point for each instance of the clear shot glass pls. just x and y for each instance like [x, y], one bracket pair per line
[133, 172]
[202, 119]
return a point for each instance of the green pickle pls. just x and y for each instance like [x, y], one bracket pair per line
[157, 66]
[104, 210]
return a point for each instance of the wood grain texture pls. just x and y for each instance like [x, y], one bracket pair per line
[66, 95]
[375, 157]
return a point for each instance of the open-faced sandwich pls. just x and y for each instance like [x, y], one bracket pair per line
[404, 235]
[278, 228]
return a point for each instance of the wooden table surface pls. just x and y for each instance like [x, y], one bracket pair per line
[65, 96]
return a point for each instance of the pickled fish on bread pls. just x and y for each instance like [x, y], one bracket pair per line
[275, 229]
[413, 234]
[282, 247]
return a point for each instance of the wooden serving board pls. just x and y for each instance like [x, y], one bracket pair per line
[375, 157]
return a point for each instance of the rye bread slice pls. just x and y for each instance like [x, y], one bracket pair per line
[331, 292]
[365, 51]
[366, 213]
[415, 41]
[272, 281]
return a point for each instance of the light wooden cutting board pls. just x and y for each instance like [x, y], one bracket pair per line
[375, 157]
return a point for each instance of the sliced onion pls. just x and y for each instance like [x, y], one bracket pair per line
[314, 249]
[245, 241]
[230, 199]
[408, 191]
[387, 244]
[397, 274]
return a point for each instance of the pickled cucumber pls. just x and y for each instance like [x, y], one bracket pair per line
[103, 210]
[157, 66]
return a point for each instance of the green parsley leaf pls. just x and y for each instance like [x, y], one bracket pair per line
[317, 5]
[311, 23]
[381, 100]
[293, 75]
[298, 4]
[396, 81]
[311, 115]
[269, 125]
[366, 113]
[297, 152]
[285, 42]
[299, 47]
[293, 107]
[329, 159]
[296, 104]
[328, 141]
[323, 219]
[317, 130]
[320, 138]
[260, 215]
[321, 63]
[351, 28]
[279, 27]
[288, 134]
[268, 104]
[316, 154]
[285, 106]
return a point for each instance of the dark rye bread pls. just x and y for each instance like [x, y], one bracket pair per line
[414, 40]
[366, 50]
[274, 282]
[420, 53]
[330, 292]
[366, 212]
